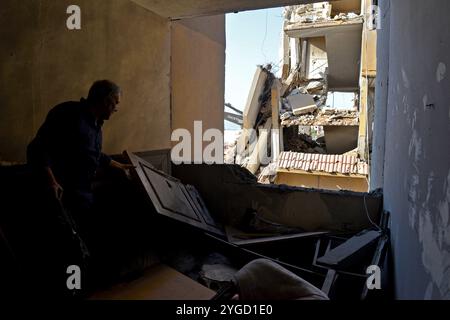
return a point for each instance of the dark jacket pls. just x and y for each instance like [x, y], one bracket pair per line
[70, 143]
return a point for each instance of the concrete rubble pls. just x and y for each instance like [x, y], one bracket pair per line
[308, 13]
[315, 13]
[322, 117]
[303, 104]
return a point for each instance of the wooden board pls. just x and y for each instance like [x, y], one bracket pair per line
[173, 199]
[241, 238]
[158, 283]
[279, 238]
[343, 254]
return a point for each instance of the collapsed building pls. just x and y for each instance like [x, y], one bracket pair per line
[329, 49]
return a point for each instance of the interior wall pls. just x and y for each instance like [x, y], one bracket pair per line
[340, 139]
[344, 58]
[198, 72]
[417, 154]
[43, 64]
[317, 57]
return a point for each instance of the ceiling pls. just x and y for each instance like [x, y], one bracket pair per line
[342, 75]
[344, 54]
[191, 8]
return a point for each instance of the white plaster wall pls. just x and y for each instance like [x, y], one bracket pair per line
[417, 151]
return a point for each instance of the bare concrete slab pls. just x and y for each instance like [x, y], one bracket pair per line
[252, 106]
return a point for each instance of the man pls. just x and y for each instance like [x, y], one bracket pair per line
[67, 148]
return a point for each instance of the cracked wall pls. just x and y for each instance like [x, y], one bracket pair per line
[417, 153]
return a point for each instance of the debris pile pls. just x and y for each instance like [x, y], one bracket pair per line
[322, 117]
[315, 13]
[268, 174]
[276, 109]
[301, 102]
[308, 13]
[254, 144]
[229, 151]
[303, 143]
[165, 231]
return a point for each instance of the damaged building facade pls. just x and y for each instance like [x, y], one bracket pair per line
[169, 59]
[328, 54]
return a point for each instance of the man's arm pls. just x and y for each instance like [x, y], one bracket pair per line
[122, 166]
[38, 151]
[106, 161]
[54, 185]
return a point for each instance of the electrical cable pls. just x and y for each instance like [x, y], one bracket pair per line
[368, 216]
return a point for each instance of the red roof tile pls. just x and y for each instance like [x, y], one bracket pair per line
[322, 163]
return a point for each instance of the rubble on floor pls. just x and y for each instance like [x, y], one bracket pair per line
[217, 275]
[279, 284]
[300, 142]
[151, 246]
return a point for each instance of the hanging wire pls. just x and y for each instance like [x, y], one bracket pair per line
[368, 216]
[318, 67]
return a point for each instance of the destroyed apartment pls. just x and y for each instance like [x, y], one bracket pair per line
[336, 187]
[312, 142]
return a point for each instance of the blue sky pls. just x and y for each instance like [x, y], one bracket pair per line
[253, 38]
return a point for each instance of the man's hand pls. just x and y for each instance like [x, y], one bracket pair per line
[57, 189]
[124, 167]
[54, 185]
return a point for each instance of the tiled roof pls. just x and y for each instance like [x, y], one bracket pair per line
[329, 163]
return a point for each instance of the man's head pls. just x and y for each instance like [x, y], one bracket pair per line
[103, 97]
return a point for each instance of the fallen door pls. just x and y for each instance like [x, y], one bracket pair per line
[172, 198]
